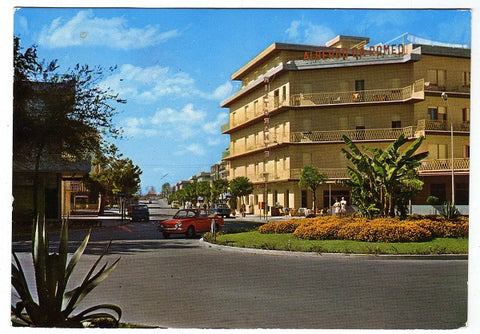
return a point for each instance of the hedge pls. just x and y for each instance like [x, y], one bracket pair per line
[362, 229]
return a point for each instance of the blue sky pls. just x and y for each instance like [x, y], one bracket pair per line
[174, 65]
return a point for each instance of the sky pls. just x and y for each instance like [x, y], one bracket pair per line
[174, 65]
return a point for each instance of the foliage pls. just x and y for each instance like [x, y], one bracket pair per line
[58, 118]
[432, 200]
[166, 189]
[449, 211]
[371, 230]
[219, 187]
[112, 174]
[310, 178]
[384, 180]
[280, 227]
[55, 304]
[239, 187]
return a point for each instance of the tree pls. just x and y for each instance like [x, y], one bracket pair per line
[58, 118]
[311, 178]
[113, 174]
[219, 187]
[204, 190]
[166, 189]
[384, 180]
[240, 186]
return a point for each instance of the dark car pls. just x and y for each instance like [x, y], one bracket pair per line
[190, 222]
[139, 212]
[221, 209]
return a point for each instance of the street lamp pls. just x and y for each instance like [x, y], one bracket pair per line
[445, 98]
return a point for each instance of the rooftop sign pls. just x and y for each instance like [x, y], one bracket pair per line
[380, 50]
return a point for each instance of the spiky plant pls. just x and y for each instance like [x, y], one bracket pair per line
[55, 305]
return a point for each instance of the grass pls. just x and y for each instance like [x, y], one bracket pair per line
[289, 242]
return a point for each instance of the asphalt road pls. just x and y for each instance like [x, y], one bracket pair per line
[182, 283]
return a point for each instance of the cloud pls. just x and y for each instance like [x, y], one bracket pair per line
[85, 29]
[148, 84]
[213, 127]
[176, 125]
[306, 32]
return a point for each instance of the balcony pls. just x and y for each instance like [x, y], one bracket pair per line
[444, 166]
[436, 125]
[224, 127]
[332, 173]
[355, 135]
[413, 91]
[225, 154]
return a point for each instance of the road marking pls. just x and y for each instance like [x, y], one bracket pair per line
[125, 228]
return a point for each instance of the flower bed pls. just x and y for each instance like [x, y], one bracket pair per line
[362, 229]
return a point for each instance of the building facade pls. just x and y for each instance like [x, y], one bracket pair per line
[297, 101]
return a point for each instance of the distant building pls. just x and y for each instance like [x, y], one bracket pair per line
[296, 102]
[218, 171]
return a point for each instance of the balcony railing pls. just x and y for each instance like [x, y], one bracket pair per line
[226, 153]
[364, 134]
[414, 90]
[271, 102]
[436, 125]
[332, 173]
[445, 165]
[224, 127]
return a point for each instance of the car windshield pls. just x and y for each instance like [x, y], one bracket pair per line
[184, 214]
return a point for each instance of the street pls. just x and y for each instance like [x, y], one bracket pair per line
[184, 283]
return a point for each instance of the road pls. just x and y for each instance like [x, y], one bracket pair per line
[182, 283]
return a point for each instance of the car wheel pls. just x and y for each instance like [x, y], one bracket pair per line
[191, 232]
[166, 235]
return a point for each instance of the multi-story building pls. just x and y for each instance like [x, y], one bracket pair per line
[296, 102]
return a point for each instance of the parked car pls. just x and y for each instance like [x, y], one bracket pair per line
[190, 222]
[139, 212]
[221, 209]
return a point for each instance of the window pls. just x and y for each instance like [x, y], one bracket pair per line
[442, 113]
[466, 151]
[304, 199]
[437, 78]
[466, 79]
[433, 113]
[284, 93]
[246, 112]
[276, 98]
[466, 115]
[437, 151]
[461, 193]
[255, 107]
[396, 124]
[438, 190]
[359, 85]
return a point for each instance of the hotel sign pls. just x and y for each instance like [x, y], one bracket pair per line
[381, 50]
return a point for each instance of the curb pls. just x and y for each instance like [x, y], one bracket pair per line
[207, 244]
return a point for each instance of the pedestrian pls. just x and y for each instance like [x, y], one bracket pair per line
[343, 206]
[336, 207]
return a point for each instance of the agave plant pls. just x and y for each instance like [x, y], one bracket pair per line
[55, 305]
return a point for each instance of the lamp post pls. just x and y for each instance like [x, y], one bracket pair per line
[445, 98]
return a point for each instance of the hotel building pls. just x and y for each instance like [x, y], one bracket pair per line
[296, 102]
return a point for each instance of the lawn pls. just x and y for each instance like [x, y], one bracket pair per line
[289, 242]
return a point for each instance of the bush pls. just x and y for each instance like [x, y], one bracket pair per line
[415, 229]
[280, 227]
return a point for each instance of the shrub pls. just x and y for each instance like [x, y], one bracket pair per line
[55, 304]
[449, 211]
[280, 227]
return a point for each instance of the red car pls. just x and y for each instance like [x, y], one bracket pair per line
[190, 222]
